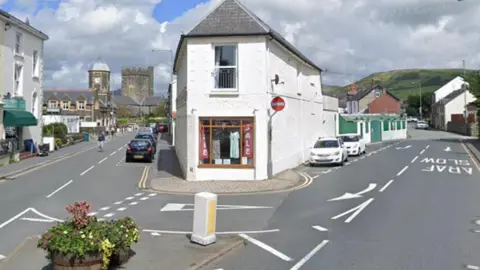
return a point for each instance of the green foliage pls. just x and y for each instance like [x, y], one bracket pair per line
[403, 83]
[159, 111]
[413, 105]
[58, 130]
[122, 121]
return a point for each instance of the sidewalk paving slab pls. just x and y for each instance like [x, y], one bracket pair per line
[474, 146]
[151, 253]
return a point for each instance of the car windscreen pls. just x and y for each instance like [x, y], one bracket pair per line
[350, 138]
[326, 144]
[144, 136]
[421, 122]
[139, 144]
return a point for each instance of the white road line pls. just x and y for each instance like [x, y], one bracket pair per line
[37, 219]
[133, 203]
[363, 157]
[355, 160]
[109, 215]
[221, 233]
[144, 198]
[60, 188]
[121, 209]
[120, 149]
[104, 208]
[152, 194]
[472, 267]
[14, 218]
[414, 159]
[129, 198]
[91, 214]
[356, 210]
[87, 170]
[102, 160]
[155, 234]
[2, 257]
[117, 203]
[265, 247]
[402, 171]
[139, 194]
[427, 146]
[423, 151]
[45, 216]
[386, 186]
[315, 176]
[309, 255]
[113, 153]
[320, 228]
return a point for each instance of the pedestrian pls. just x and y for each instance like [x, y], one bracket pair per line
[101, 141]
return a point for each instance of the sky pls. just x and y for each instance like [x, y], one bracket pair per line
[349, 39]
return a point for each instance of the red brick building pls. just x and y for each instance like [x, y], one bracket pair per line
[385, 103]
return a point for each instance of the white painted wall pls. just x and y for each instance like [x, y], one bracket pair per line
[258, 62]
[397, 134]
[448, 88]
[173, 108]
[456, 106]
[71, 121]
[30, 84]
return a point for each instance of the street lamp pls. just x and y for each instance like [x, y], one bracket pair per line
[421, 102]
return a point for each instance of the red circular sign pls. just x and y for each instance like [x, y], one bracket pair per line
[278, 104]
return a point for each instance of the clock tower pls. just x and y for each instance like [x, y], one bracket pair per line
[99, 82]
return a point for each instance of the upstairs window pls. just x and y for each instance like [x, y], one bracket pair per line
[17, 76]
[35, 63]
[66, 105]
[18, 43]
[81, 105]
[226, 67]
[52, 104]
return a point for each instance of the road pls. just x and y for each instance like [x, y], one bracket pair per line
[31, 202]
[407, 206]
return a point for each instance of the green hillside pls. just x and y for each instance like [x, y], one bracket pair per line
[403, 83]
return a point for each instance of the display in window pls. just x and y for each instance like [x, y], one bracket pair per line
[216, 148]
[248, 141]
[235, 144]
[226, 144]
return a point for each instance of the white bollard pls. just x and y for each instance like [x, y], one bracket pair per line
[204, 218]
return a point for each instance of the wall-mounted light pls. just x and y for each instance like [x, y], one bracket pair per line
[312, 84]
[7, 26]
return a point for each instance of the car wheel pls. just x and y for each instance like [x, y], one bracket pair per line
[346, 158]
[127, 160]
[359, 151]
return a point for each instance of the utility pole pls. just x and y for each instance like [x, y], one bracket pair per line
[421, 101]
[465, 89]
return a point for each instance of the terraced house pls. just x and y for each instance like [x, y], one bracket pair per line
[21, 79]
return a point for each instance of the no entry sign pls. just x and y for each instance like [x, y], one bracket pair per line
[278, 104]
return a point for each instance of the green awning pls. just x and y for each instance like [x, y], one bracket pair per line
[18, 118]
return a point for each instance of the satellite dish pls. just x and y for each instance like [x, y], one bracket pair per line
[277, 79]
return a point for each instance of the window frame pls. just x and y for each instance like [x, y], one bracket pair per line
[53, 104]
[18, 49]
[65, 102]
[17, 79]
[218, 68]
[81, 108]
[209, 139]
[35, 64]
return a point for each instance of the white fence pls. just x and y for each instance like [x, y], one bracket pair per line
[71, 121]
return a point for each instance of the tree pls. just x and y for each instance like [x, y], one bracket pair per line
[413, 105]
[159, 111]
[474, 86]
[123, 111]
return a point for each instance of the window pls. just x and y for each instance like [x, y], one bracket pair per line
[351, 138]
[18, 80]
[392, 125]
[327, 144]
[35, 64]
[65, 105]
[226, 142]
[34, 104]
[226, 67]
[385, 125]
[81, 105]
[52, 104]
[18, 43]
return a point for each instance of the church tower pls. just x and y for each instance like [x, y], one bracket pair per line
[99, 82]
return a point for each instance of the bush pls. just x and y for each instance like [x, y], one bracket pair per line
[58, 130]
[58, 143]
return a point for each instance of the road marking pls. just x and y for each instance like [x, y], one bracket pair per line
[120, 161]
[117, 203]
[447, 149]
[91, 214]
[414, 159]
[121, 209]
[102, 160]
[14, 218]
[386, 186]
[356, 210]
[472, 267]
[113, 153]
[421, 152]
[44, 216]
[60, 188]
[470, 155]
[355, 160]
[327, 171]
[265, 247]
[139, 194]
[104, 208]
[320, 228]
[152, 194]
[172, 207]
[109, 215]
[87, 170]
[309, 255]
[402, 171]
[363, 157]
[427, 146]
[315, 176]
[133, 203]
[2, 257]
[349, 195]
[222, 233]
[401, 148]
[144, 198]
[129, 198]
[37, 219]
[155, 234]
[120, 149]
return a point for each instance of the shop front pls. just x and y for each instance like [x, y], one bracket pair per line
[226, 148]
[15, 118]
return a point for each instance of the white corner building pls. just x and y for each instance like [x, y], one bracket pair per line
[229, 67]
[21, 79]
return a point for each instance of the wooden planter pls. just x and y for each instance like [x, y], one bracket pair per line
[67, 262]
[120, 258]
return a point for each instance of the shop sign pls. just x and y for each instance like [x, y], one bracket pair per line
[203, 145]
[248, 141]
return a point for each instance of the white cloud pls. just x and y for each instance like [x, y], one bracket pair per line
[350, 38]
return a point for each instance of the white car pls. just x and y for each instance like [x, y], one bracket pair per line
[355, 146]
[422, 125]
[328, 151]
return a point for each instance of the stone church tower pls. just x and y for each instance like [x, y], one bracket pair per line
[99, 83]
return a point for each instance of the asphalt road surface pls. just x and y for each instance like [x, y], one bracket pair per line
[411, 205]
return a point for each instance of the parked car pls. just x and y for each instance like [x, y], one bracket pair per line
[148, 136]
[162, 128]
[422, 125]
[145, 130]
[355, 146]
[328, 151]
[140, 149]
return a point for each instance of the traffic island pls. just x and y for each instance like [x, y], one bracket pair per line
[285, 181]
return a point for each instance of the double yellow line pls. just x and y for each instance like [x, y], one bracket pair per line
[142, 184]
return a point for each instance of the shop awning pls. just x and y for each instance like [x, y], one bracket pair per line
[18, 118]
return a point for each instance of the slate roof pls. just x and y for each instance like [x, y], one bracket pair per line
[152, 101]
[26, 26]
[68, 95]
[450, 97]
[124, 100]
[363, 92]
[232, 18]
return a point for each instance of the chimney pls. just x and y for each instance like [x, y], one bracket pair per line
[27, 21]
[353, 89]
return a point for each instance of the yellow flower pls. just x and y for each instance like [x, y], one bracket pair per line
[65, 232]
[83, 236]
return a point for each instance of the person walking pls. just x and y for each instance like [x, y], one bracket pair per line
[101, 141]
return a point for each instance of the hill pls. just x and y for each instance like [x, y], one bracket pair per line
[403, 83]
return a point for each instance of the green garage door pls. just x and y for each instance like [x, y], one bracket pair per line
[376, 131]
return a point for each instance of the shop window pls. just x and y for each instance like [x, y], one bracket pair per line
[226, 142]
[399, 125]
[392, 125]
[385, 125]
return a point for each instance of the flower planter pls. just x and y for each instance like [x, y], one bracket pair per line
[67, 262]
[120, 258]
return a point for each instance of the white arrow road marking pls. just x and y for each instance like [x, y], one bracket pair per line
[448, 149]
[356, 210]
[472, 267]
[220, 233]
[349, 195]
[309, 255]
[45, 216]
[37, 219]
[265, 247]
[171, 207]
[320, 228]
[406, 147]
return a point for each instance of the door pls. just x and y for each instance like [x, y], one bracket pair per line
[361, 131]
[376, 131]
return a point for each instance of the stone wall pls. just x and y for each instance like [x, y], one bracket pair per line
[470, 130]
[137, 82]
